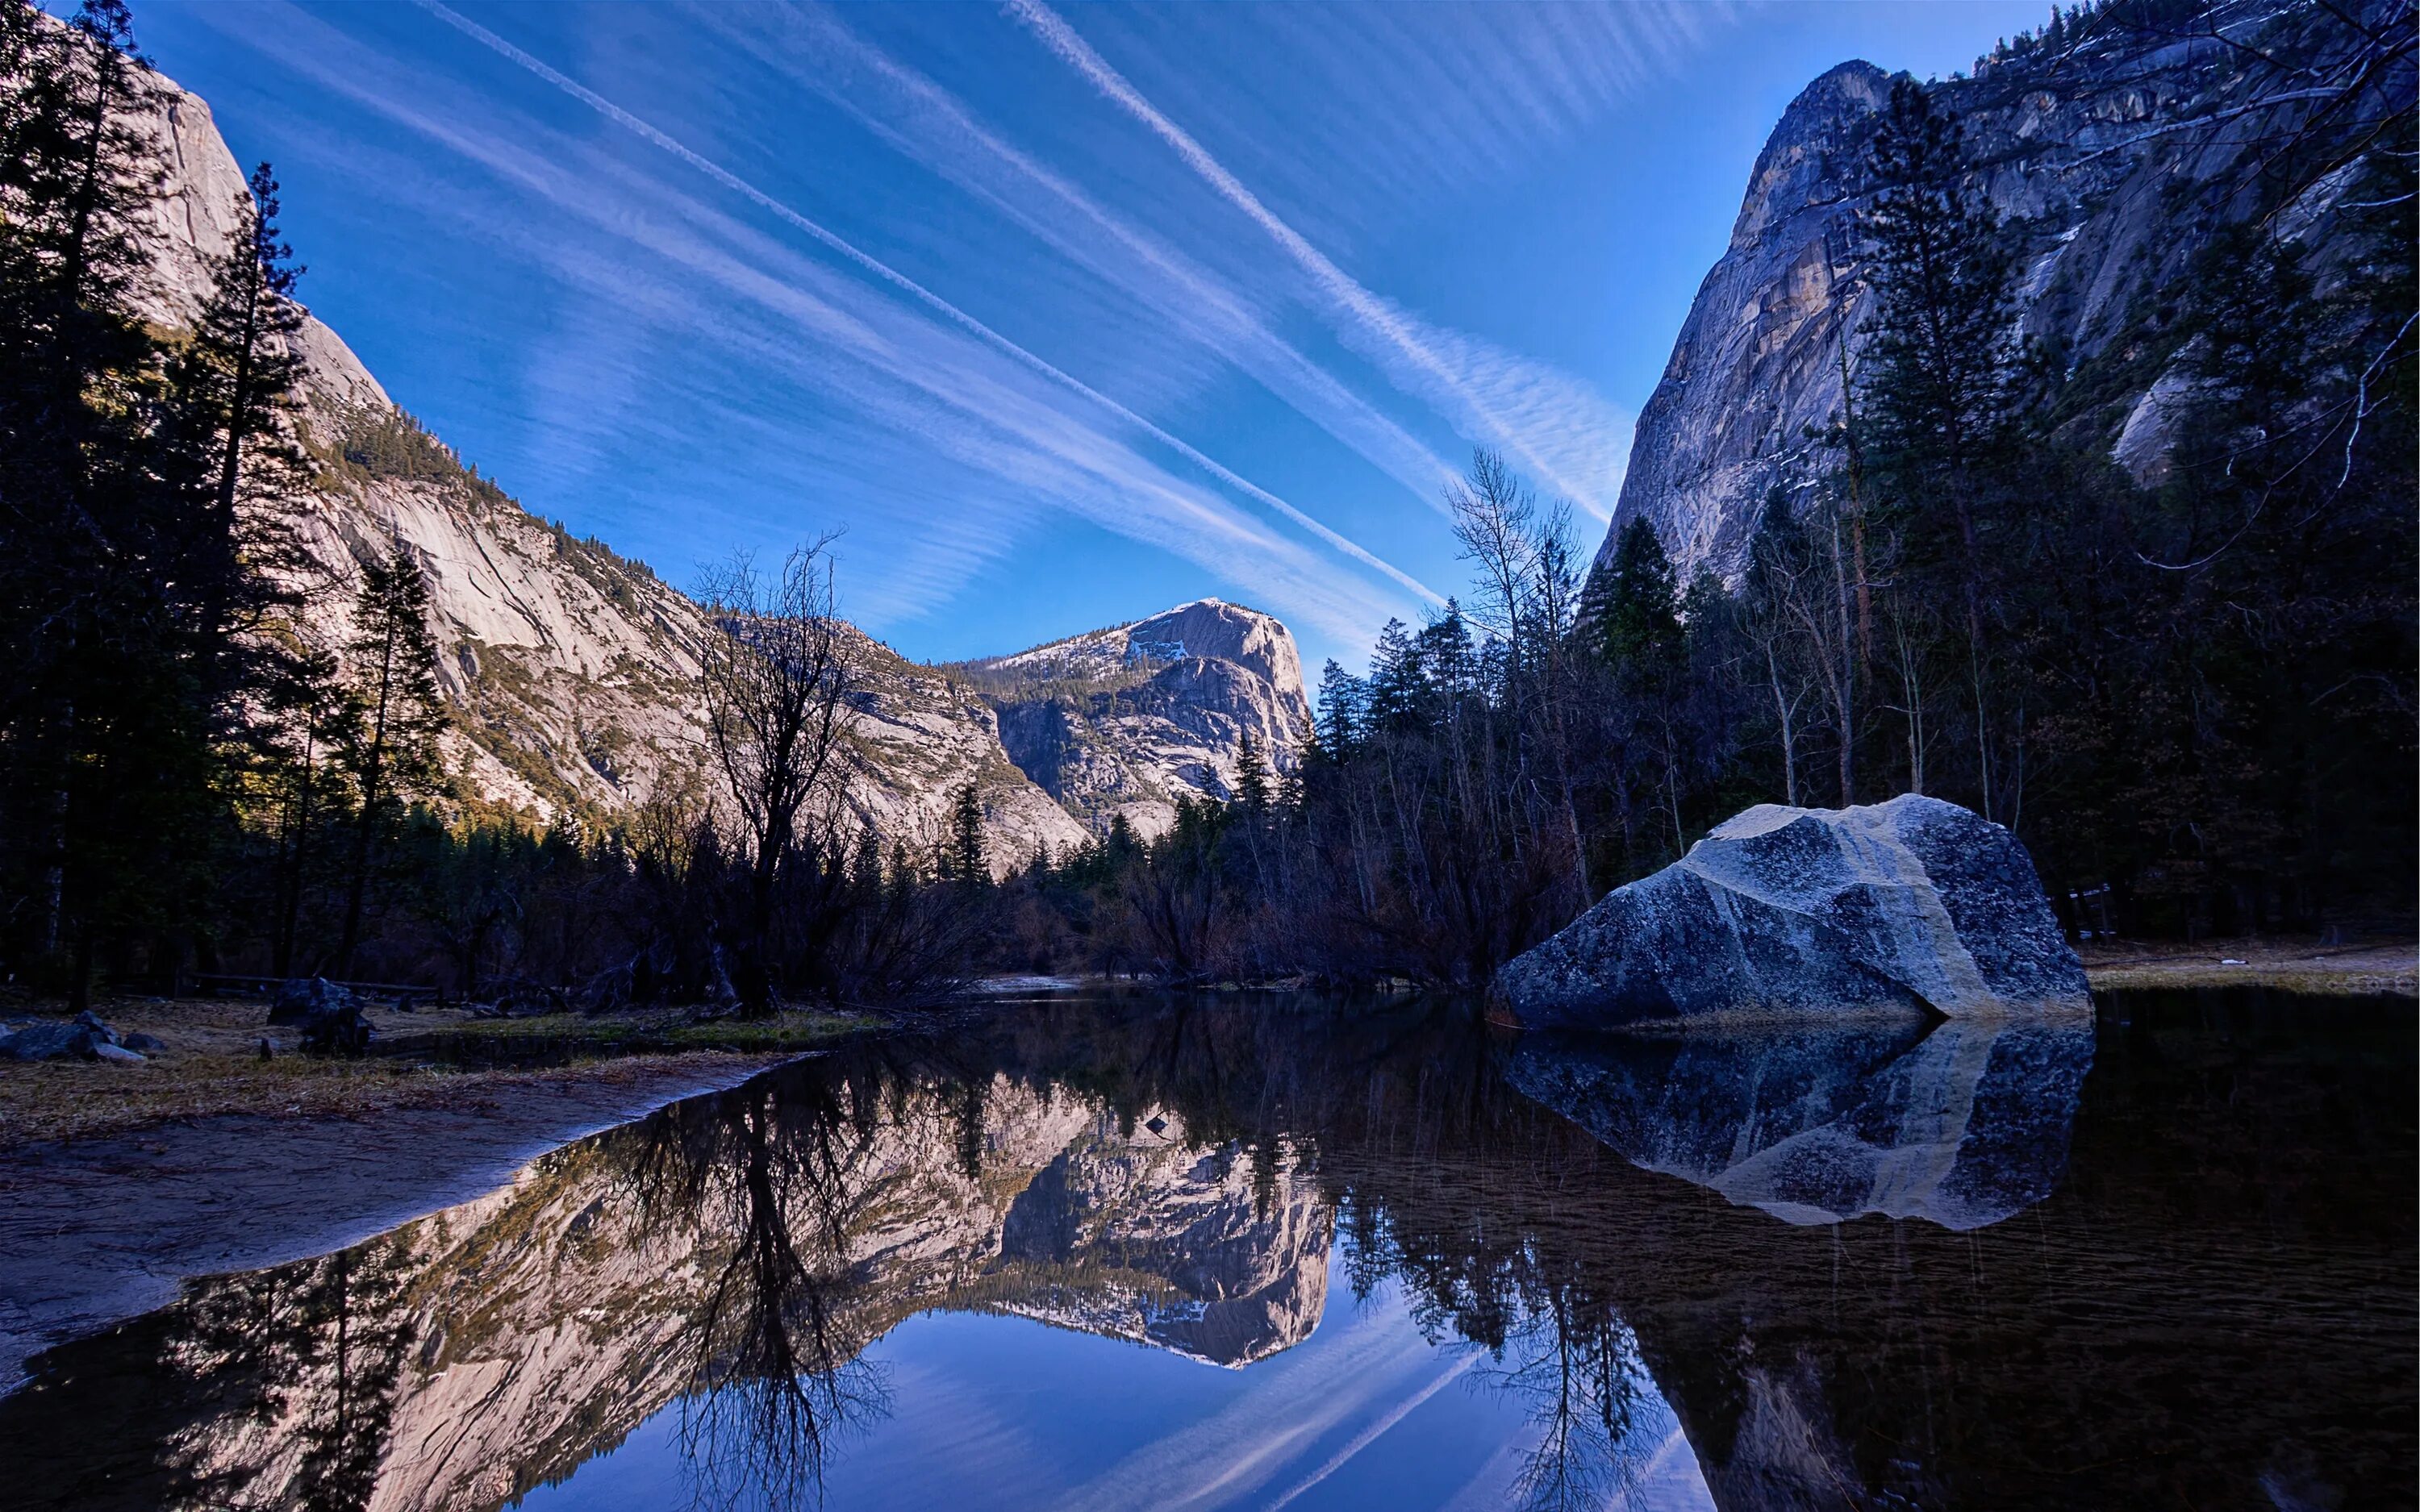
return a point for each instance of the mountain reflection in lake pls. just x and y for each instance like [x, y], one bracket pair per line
[1003, 1270]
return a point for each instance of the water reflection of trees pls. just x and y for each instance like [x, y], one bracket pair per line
[1877, 1361]
[756, 1244]
[314, 1350]
[777, 1376]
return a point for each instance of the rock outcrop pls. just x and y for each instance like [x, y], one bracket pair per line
[1962, 1124]
[1126, 720]
[1910, 905]
[2112, 160]
[571, 671]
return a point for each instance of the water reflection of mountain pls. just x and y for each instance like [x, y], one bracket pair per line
[741, 1249]
[1173, 1174]
[1961, 1122]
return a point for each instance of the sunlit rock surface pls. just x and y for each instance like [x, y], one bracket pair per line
[1914, 903]
[571, 671]
[1961, 1125]
[1127, 720]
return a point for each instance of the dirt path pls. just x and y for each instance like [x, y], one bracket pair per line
[97, 1230]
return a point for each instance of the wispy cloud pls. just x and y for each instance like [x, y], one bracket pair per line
[1550, 422]
[1404, 106]
[924, 296]
[940, 416]
[1370, 1434]
[909, 112]
[1226, 1458]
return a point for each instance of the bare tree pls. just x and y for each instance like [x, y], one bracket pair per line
[777, 670]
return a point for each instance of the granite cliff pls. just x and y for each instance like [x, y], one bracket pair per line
[1127, 720]
[571, 671]
[2112, 160]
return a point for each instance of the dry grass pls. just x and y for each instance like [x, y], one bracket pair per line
[2366, 969]
[210, 1064]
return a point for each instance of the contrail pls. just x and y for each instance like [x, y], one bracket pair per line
[1371, 1434]
[1368, 308]
[909, 286]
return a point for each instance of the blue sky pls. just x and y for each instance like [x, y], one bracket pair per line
[1062, 313]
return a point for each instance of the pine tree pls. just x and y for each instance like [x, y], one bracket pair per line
[1936, 399]
[104, 773]
[1344, 711]
[393, 755]
[1253, 786]
[1448, 657]
[1121, 845]
[231, 393]
[1635, 614]
[1937, 358]
[1398, 685]
[967, 860]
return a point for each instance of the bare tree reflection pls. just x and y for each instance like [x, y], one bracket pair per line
[1576, 1365]
[776, 1382]
[777, 1377]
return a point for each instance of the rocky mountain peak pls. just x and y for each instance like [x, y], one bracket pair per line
[572, 672]
[1798, 167]
[1127, 720]
[2111, 162]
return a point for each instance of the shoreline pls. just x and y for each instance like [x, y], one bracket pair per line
[2358, 970]
[100, 1229]
[106, 1217]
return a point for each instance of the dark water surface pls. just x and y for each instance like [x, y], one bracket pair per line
[1264, 1253]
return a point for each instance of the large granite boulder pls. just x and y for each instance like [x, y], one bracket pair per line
[1914, 903]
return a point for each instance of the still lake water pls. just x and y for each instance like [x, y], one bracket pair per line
[1280, 1253]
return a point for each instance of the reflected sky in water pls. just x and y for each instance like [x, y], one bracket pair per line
[1005, 1413]
[1264, 1253]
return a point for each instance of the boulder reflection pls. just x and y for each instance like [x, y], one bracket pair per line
[1177, 1175]
[1960, 1122]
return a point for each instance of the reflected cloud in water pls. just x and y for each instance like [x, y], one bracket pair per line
[1960, 1122]
[1257, 1254]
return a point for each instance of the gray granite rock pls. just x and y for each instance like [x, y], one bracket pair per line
[1914, 903]
[298, 999]
[78, 1039]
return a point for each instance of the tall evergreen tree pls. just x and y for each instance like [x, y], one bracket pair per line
[1935, 391]
[1254, 788]
[1937, 356]
[1635, 610]
[231, 393]
[966, 859]
[1397, 683]
[393, 755]
[1342, 714]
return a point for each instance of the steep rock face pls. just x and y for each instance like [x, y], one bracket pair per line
[1126, 720]
[2104, 163]
[1910, 905]
[571, 671]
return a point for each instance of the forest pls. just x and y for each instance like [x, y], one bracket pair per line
[2194, 702]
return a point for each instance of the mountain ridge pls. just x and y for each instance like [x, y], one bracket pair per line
[570, 671]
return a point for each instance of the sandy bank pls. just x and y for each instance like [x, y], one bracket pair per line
[97, 1230]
